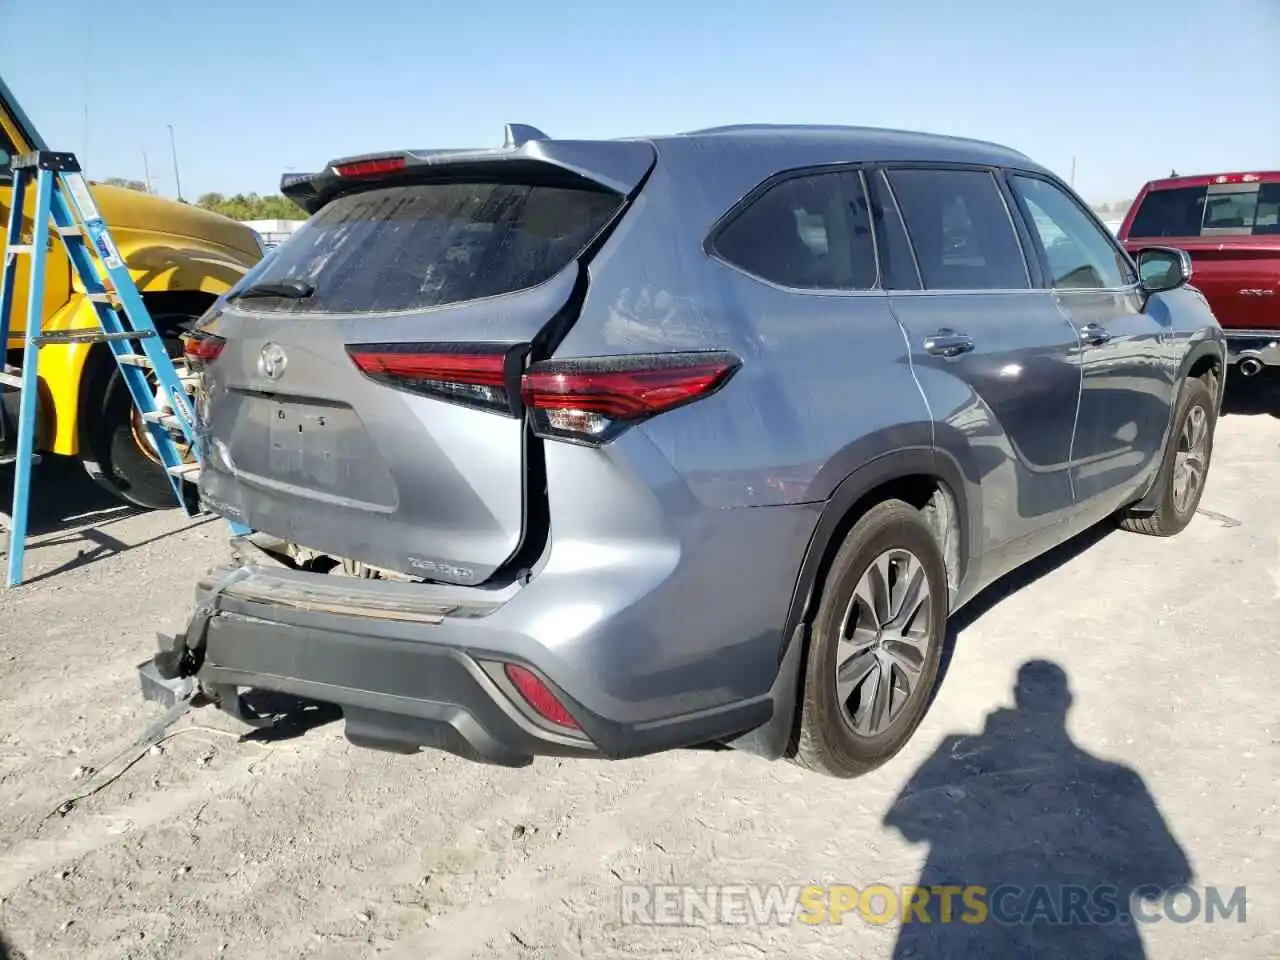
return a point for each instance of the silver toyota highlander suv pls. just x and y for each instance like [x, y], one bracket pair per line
[603, 448]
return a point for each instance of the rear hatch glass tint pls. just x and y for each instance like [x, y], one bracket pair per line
[1216, 210]
[415, 246]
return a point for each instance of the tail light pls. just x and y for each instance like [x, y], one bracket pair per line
[473, 379]
[539, 696]
[370, 168]
[594, 400]
[589, 400]
[202, 347]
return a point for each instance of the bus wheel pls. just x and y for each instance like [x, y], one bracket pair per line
[119, 452]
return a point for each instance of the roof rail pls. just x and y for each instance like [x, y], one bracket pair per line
[518, 134]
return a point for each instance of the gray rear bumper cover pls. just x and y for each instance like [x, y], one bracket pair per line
[281, 630]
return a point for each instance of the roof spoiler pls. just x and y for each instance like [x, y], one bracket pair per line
[618, 165]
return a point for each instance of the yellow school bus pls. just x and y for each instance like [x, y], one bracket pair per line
[181, 258]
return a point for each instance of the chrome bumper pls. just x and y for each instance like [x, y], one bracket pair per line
[1252, 350]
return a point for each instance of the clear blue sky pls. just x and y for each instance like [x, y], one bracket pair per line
[258, 87]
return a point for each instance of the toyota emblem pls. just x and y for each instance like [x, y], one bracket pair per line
[272, 361]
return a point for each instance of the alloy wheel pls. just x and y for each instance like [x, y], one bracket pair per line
[1190, 458]
[884, 641]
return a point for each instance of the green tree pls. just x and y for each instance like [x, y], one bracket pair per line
[252, 206]
[126, 184]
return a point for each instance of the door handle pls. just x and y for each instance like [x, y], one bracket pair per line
[948, 343]
[1092, 334]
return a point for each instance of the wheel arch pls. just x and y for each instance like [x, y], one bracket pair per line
[922, 476]
[98, 365]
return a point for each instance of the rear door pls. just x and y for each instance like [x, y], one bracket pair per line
[997, 361]
[1127, 361]
[1232, 232]
[360, 404]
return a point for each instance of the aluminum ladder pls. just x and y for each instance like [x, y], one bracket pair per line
[64, 205]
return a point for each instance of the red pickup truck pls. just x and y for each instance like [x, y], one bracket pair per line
[1229, 224]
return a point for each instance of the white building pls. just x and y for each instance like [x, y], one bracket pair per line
[273, 232]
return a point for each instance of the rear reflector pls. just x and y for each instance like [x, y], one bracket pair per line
[538, 696]
[588, 400]
[204, 347]
[370, 168]
[592, 400]
[473, 379]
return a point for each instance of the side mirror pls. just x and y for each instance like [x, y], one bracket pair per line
[1163, 268]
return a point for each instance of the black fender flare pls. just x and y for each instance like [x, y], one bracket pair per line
[906, 462]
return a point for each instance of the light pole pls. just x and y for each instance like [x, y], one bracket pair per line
[173, 148]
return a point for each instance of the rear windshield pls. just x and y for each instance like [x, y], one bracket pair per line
[1218, 210]
[424, 245]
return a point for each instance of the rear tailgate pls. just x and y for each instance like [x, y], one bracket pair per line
[327, 420]
[1230, 226]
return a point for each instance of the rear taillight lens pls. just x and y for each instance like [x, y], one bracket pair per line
[592, 400]
[589, 400]
[202, 347]
[471, 378]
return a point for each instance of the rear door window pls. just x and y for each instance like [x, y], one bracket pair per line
[1215, 210]
[809, 232]
[414, 246]
[960, 228]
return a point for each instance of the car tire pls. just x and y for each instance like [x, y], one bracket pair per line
[116, 459]
[1194, 423]
[837, 734]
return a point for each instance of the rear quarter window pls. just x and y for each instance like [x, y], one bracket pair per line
[415, 246]
[807, 232]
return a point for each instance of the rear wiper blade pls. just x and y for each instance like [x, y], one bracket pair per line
[289, 289]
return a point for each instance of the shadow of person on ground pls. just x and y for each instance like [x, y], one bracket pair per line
[7, 952]
[1061, 840]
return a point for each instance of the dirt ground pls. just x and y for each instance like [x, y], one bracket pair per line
[295, 844]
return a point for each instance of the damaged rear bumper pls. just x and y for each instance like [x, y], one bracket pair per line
[414, 665]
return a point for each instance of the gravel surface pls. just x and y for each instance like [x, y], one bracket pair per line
[292, 843]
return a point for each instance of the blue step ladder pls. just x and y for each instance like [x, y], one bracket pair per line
[64, 205]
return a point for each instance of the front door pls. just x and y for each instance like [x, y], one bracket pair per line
[1127, 363]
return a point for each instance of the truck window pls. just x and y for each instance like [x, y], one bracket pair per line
[6, 152]
[1217, 210]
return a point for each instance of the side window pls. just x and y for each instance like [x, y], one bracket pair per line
[809, 232]
[1080, 255]
[960, 229]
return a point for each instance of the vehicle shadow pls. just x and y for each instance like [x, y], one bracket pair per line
[1252, 396]
[1036, 847]
[7, 952]
[1010, 584]
[63, 496]
[293, 716]
[68, 508]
